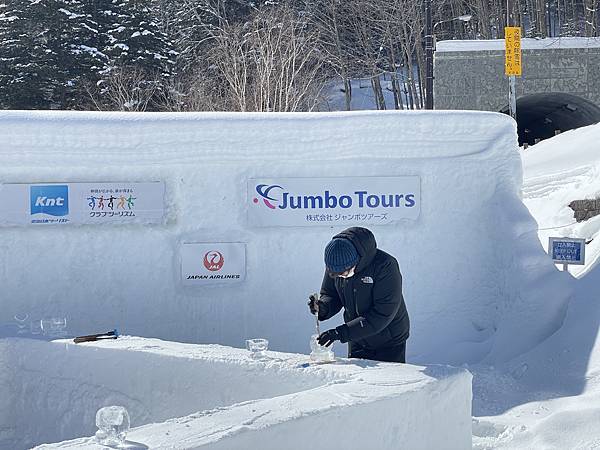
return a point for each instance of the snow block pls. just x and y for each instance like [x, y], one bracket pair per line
[8, 420]
[207, 396]
[471, 262]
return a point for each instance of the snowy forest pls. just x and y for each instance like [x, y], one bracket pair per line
[239, 55]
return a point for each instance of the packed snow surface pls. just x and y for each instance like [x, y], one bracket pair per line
[220, 398]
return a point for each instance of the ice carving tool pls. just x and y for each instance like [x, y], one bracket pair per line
[114, 334]
[317, 316]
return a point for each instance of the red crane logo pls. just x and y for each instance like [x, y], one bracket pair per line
[213, 260]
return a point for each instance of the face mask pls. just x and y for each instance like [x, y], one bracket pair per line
[349, 274]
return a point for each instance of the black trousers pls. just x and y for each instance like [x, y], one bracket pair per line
[389, 354]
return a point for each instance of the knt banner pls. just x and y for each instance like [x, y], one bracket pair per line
[212, 263]
[333, 201]
[81, 203]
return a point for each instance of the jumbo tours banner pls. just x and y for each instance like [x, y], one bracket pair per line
[205, 264]
[81, 203]
[347, 201]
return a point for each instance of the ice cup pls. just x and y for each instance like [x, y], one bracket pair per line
[35, 327]
[257, 347]
[320, 353]
[113, 425]
[22, 323]
[54, 327]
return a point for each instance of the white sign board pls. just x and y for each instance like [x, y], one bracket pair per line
[567, 250]
[81, 203]
[212, 263]
[333, 201]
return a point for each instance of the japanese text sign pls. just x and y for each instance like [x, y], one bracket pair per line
[567, 250]
[512, 42]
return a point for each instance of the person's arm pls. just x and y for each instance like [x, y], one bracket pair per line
[329, 300]
[387, 298]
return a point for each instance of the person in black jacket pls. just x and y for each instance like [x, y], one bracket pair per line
[367, 283]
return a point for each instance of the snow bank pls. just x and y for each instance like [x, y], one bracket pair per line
[526, 44]
[557, 171]
[470, 262]
[224, 399]
[8, 420]
[58, 387]
[549, 397]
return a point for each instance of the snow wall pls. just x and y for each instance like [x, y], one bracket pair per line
[470, 260]
[56, 389]
[188, 396]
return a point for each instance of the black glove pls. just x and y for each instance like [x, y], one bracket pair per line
[335, 334]
[328, 337]
[313, 303]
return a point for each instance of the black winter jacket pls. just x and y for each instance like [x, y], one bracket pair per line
[374, 309]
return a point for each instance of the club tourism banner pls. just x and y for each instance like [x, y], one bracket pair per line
[81, 203]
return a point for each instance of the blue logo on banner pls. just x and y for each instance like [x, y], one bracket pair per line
[52, 200]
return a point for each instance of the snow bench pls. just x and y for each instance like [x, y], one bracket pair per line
[188, 396]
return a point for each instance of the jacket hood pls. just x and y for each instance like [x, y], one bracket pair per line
[363, 241]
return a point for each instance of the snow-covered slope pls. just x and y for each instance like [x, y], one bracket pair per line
[558, 171]
[549, 398]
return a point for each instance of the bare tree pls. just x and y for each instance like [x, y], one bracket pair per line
[126, 88]
[271, 63]
[591, 17]
[332, 18]
[198, 91]
[278, 55]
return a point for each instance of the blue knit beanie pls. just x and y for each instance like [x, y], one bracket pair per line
[340, 255]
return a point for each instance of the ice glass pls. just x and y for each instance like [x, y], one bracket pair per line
[54, 326]
[22, 323]
[320, 353]
[113, 425]
[35, 327]
[257, 347]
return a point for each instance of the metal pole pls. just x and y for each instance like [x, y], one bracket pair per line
[512, 96]
[428, 57]
[317, 316]
[512, 83]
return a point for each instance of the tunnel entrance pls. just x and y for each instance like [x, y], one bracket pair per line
[540, 116]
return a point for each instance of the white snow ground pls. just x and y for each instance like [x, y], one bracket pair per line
[549, 398]
[545, 398]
